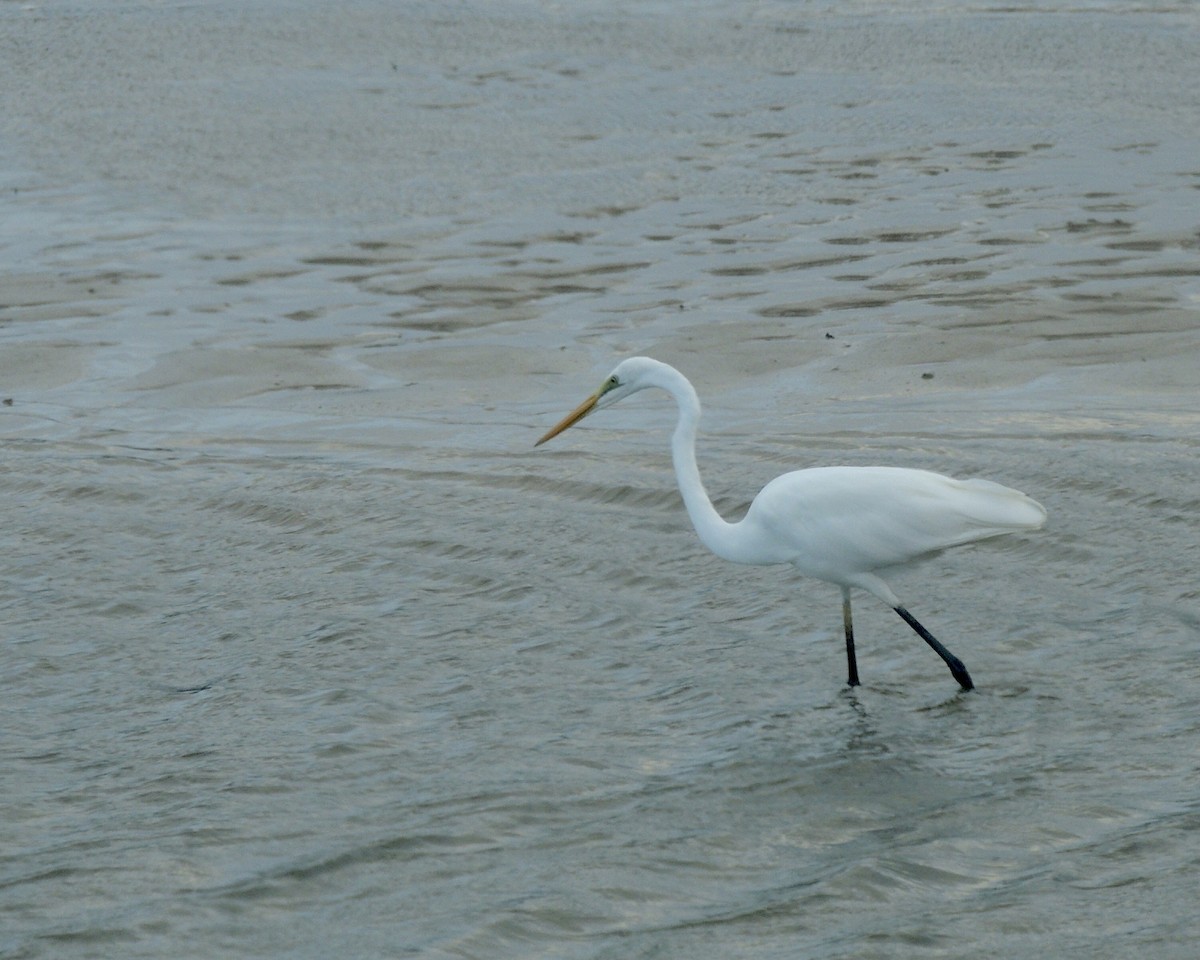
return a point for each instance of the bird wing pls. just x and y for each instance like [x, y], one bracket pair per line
[833, 520]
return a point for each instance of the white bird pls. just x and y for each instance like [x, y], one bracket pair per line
[838, 524]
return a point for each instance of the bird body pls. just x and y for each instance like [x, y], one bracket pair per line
[844, 525]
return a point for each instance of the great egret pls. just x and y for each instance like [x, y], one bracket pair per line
[838, 524]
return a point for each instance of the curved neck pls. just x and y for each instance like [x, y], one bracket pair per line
[716, 533]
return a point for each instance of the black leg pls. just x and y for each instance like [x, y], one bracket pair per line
[955, 665]
[851, 662]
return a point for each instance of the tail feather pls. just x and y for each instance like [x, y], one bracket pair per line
[1003, 507]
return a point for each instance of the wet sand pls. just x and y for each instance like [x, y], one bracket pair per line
[549, 177]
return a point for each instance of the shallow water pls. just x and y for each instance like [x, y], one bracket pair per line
[307, 650]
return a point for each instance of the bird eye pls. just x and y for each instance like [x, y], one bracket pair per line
[613, 381]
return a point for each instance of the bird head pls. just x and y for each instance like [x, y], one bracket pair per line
[629, 376]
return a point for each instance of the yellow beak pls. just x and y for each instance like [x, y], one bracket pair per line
[572, 418]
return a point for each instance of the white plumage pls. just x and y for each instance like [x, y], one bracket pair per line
[840, 524]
